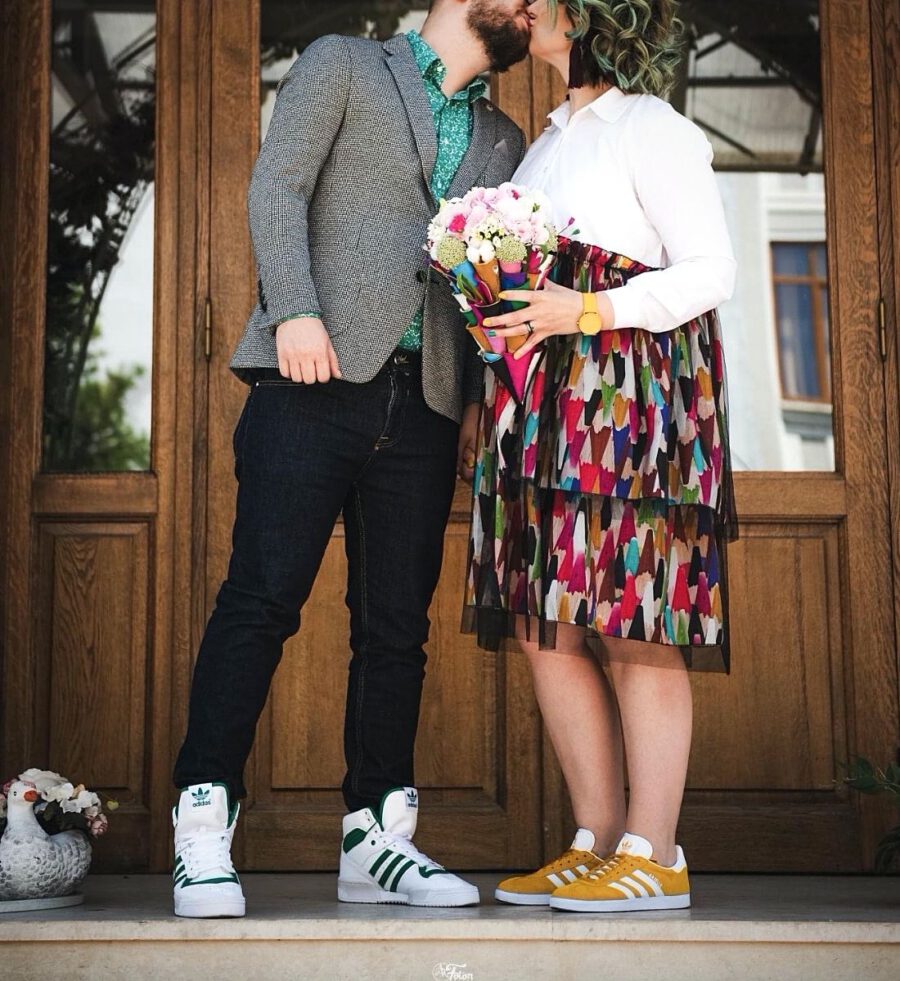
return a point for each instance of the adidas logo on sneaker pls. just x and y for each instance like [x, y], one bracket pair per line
[204, 880]
[628, 880]
[380, 864]
[201, 798]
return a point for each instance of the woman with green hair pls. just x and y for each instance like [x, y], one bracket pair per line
[603, 498]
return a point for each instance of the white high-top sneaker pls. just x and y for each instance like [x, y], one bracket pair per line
[205, 882]
[380, 864]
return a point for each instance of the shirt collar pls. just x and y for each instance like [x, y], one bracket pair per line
[609, 107]
[434, 70]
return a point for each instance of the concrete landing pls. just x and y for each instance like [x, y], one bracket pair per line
[740, 927]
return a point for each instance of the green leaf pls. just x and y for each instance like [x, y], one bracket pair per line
[888, 851]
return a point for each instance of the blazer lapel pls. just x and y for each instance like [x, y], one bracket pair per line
[484, 128]
[406, 72]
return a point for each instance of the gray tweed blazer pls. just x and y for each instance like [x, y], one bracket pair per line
[339, 208]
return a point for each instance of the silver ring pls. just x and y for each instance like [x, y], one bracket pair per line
[529, 326]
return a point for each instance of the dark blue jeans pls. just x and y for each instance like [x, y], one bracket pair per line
[377, 454]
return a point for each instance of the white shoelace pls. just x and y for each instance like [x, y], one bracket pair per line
[206, 854]
[407, 848]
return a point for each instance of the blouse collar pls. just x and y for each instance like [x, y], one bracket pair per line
[609, 107]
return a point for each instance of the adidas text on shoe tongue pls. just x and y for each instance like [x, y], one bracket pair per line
[203, 805]
[584, 840]
[634, 845]
[399, 811]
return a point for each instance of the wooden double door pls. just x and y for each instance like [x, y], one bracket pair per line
[108, 578]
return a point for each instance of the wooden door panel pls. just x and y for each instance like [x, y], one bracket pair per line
[92, 646]
[772, 723]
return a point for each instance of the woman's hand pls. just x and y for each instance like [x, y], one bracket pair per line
[468, 436]
[553, 310]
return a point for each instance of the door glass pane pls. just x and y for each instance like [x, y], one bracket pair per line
[288, 26]
[99, 333]
[752, 82]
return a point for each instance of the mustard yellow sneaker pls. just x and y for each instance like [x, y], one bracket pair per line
[535, 889]
[630, 880]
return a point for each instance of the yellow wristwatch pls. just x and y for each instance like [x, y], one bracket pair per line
[590, 321]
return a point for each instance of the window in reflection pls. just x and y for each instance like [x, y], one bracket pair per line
[752, 82]
[801, 312]
[289, 26]
[98, 348]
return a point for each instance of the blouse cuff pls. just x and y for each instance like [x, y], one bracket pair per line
[627, 307]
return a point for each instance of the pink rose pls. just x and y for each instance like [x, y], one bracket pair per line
[98, 825]
[457, 224]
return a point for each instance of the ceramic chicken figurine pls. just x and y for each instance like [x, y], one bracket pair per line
[33, 864]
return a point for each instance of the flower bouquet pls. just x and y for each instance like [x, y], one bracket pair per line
[494, 240]
[61, 805]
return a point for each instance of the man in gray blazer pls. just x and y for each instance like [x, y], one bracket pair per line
[360, 373]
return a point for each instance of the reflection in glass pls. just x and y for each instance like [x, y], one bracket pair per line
[98, 348]
[801, 300]
[752, 82]
[289, 26]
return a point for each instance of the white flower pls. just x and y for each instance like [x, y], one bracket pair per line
[69, 806]
[42, 779]
[61, 792]
[487, 252]
[92, 812]
[86, 799]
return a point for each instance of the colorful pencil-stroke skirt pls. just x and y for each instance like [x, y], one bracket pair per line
[603, 498]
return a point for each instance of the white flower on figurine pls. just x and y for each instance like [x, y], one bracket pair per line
[43, 780]
[61, 792]
[86, 799]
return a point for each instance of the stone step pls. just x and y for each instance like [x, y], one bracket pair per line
[741, 928]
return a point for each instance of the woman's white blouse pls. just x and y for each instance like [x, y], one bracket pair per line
[636, 176]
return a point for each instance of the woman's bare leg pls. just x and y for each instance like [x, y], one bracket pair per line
[580, 714]
[654, 698]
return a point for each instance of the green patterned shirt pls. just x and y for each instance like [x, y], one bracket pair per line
[453, 129]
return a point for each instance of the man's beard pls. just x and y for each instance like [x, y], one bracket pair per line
[504, 39]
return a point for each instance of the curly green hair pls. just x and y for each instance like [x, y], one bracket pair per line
[634, 44]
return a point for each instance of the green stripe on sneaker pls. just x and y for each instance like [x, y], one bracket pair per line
[382, 858]
[401, 872]
[390, 868]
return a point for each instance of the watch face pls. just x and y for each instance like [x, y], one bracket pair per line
[590, 323]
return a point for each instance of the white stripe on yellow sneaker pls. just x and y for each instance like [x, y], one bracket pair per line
[555, 879]
[648, 881]
[634, 885]
[569, 874]
[626, 892]
[583, 869]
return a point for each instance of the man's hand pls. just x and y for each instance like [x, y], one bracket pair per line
[305, 353]
[468, 432]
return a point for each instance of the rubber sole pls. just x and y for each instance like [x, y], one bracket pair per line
[522, 899]
[364, 892]
[211, 909]
[620, 905]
